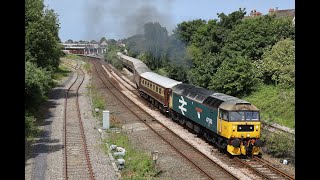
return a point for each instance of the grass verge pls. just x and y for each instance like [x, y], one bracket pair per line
[276, 105]
[138, 165]
[97, 101]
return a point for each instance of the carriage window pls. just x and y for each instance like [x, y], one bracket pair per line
[157, 89]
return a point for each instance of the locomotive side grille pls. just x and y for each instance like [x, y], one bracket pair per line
[242, 128]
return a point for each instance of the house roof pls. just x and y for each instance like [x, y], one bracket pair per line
[103, 43]
[283, 13]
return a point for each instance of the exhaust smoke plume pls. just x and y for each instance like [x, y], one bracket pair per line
[124, 18]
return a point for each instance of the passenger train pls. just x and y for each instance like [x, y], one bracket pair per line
[229, 122]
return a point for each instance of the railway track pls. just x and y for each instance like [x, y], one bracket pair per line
[259, 166]
[263, 168]
[206, 166]
[76, 157]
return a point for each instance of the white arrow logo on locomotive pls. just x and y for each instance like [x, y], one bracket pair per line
[183, 103]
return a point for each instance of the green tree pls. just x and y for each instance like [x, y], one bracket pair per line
[235, 77]
[33, 11]
[42, 40]
[253, 35]
[69, 41]
[278, 64]
[177, 72]
[156, 38]
[37, 83]
[187, 29]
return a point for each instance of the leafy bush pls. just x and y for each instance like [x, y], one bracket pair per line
[37, 82]
[278, 64]
[31, 129]
[279, 144]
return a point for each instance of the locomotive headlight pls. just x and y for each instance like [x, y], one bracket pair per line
[257, 126]
[248, 135]
[233, 127]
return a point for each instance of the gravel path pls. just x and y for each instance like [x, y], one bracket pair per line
[45, 157]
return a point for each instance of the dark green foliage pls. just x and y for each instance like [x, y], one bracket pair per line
[279, 144]
[30, 126]
[112, 56]
[206, 66]
[253, 35]
[186, 30]
[37, 82]
[177, 72]
[42, 56]
[234, 77]
[42, 40]
[156, 38]
[277, 65]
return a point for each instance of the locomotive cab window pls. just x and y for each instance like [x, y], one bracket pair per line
[244, 116]
[224, 115]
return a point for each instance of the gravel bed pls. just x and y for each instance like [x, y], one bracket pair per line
[100, 162]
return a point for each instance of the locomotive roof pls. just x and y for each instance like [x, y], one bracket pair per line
[210, 98]
[161, 80]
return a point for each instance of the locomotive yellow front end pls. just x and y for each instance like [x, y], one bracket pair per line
[239, 123]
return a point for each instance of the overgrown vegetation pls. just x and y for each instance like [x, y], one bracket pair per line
[112, 57]
[42, 57]
[138, 165]
[279, 145]
[72, 56]
[97, 101]
[87, 67]
[61, 72]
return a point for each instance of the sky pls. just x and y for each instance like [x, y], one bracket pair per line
[119, 19]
